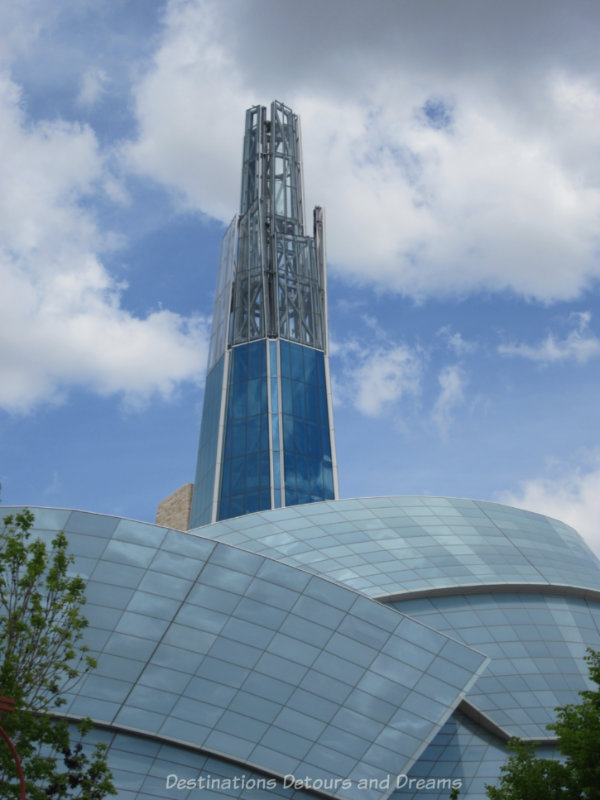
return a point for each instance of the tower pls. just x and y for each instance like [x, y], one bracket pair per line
[266, 438]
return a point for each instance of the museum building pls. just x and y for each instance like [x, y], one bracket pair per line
[292, 644]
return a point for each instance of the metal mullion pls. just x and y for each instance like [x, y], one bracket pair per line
[280, 423]
[298, 143]
[218, 481]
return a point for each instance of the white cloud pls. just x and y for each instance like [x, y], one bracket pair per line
[61, 320]
[502, 197]
[579, 345]
[453, 381]
[190, 109]
[93, 86]
[573, 498]
[375, 379]
[21, 24]
[455, 341]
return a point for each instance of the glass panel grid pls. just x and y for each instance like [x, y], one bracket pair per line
[409, 557]
[535, 642]
[524, 656]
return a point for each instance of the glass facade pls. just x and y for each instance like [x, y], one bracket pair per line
[536, 643]
[271, 299]
[231, 666]
[461, 751]
[245, 477]
[221, 652]
[306, 434]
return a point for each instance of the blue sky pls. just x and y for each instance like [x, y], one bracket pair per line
[455, 149]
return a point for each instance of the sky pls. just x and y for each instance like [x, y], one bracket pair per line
[456, 150]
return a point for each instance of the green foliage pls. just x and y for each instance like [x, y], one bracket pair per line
[578, 729]
[41, 657]
[577, 776]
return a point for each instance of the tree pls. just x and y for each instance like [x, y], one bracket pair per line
[577, 775]
[41, 657]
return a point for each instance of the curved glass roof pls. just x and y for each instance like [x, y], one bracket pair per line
[229, 651]
[392, 545]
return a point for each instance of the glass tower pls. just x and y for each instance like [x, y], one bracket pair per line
[266, 438]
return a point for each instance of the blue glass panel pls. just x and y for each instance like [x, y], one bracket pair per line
[302, 481]
[321, 370]
[284, 352]
[255, 406]
[300, 436]
[256, 707]
[290, 473]
[236, 437]
[224, 508]
[268, 687]
[297, 372]
[240, 364]
[310, 365]
[288, 431]
[328, 481]
[239, 397]
[264, 432]
[257, 362]
[323, 406]
[264, 500]
[315, 474]
[263, 395]
[54, 519]
[305, 406]
[325, 442]
[264, 470]
[236, 559]
[96, 524]
[236, 506]
[237, 475]
[286, 398]
[299, 402]
[247, 438]
[226, 478]
[130, 531]
[252, 472]
[312, 402]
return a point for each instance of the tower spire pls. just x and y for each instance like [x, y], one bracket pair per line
[266, 437]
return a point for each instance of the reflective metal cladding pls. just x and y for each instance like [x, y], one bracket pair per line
[266, 438]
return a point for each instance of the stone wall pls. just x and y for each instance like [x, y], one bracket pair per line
[174, 510]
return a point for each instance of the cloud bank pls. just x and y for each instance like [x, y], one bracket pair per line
[61, 319]
[580, 345]
[573, 497]
[453, 155]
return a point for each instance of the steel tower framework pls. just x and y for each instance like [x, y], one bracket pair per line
[267, 438]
